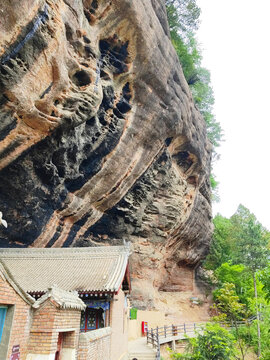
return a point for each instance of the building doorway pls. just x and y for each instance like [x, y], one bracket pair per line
[59, 346]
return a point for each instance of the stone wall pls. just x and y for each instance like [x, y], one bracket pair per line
[95, 345]
[17, 324]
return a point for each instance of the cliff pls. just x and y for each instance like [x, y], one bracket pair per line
[99, 137]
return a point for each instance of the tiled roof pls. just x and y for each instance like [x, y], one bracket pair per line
[89, 269]
[64, 299]
[4, 273]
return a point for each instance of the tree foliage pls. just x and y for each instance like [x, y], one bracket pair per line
[239, 255]
[232, 310]
[221, 247]
[228, 303]
[252, 240]
[183, 18]
[214, 186]
[238, 275]
[265, 279]
[215, 343]
[265, 333]
[240, 239]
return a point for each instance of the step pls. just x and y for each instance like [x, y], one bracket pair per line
[138, 349]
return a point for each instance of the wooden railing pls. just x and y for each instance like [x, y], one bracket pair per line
[159, 334]
[154, 336]
[153, 339]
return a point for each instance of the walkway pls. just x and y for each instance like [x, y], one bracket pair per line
[172, 333]
[169, 334]
[139, 350]
[179, 332]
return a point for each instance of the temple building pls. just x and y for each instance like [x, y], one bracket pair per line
[64, 303]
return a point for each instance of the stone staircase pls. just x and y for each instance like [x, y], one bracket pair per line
[139, 350]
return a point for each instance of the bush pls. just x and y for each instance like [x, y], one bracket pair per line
[215, 343]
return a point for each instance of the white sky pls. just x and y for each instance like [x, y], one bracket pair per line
[235, 39]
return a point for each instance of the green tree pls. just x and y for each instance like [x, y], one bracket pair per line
[238, 275]
[183, 18]
[252, 250]
[214, 186]
[252, 240]
[231, 310]
[215, 343]
[239, 254]
[222, 245]
[265, 332]
[232, 241]
[265, 279]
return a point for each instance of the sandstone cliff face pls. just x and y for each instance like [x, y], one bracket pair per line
[99, 136]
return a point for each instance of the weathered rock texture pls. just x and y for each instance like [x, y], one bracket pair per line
[99, 135]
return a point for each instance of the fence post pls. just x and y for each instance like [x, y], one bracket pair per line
[158, 348]
[184, 327]
[152, 336]
[165, 330]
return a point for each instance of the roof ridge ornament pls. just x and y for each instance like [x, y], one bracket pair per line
[64, 298]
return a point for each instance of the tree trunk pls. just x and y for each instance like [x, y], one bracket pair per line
[257, 315]
[239, 340]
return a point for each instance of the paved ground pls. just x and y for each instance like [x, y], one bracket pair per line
[140, 346]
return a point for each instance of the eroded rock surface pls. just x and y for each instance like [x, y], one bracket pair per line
[99, 136]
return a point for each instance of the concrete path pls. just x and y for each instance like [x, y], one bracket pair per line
[139, 350]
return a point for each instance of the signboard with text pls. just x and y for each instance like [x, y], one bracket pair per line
[15, 356]
[15, 353]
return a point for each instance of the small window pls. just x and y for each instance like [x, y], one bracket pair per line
[3, 312]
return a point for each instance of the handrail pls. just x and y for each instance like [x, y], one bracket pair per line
[172, 330]
[153, 335]
[167, 331]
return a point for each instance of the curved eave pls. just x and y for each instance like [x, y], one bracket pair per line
[9, 278]
[118, 275]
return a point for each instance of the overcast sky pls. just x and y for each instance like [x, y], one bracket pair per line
[235, 39]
